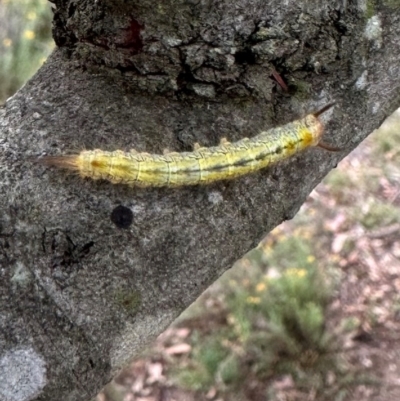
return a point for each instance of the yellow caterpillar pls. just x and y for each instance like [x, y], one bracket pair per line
[203, 165]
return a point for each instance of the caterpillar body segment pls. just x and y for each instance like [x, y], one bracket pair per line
[203, 165]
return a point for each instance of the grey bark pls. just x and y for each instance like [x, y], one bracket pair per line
[81, 289]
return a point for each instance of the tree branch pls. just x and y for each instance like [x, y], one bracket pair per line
[89, 271]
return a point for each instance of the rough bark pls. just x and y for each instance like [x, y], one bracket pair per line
[82, 287]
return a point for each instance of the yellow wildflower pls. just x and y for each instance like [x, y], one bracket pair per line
[266, 247]
[31, 15]
[253, 300]
[260, 287]
[296, 272]
[291, 271]
[311, 211]
[310, 258]
[7, 42]
[28, 34]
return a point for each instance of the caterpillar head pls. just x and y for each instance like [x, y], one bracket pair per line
[319, 129]
[313, 130]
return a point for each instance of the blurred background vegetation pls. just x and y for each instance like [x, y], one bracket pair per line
[300, 317]
[25, 41]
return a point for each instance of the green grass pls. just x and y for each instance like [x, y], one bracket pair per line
[378, 214]
[25, 42]
[210, 361]
[387, 140]
[339, 184]
[275, 326]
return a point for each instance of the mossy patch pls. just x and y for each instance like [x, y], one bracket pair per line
[395, 4]
[300, 89]
[370, 12]
[129, 300]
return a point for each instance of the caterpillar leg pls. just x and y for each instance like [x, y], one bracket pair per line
[224, 142]
[143, 156]
[118, 153]
[169, 153]
[197, 146]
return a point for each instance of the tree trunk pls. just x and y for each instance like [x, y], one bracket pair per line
[90, 271]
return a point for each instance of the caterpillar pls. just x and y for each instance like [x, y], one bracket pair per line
[203, 165]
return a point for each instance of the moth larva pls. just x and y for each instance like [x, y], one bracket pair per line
[203, 165]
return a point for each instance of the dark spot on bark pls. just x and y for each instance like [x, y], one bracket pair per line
[62, 36]
[131, 39]
[86, 248]
[71, 10]
[122, 216]
[245, 56]
[184, 79]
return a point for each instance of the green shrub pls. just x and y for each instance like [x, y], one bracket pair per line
[275, 325]
[25, 42]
